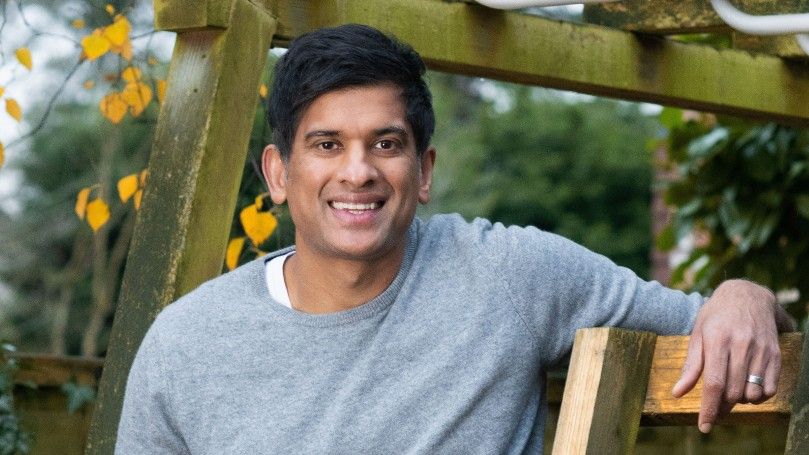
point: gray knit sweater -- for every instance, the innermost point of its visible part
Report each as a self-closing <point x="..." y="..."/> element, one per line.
<point x="450" y="358"/>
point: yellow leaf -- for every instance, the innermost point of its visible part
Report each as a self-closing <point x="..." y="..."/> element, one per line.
<point x="113" y="107"/>
<point x="2" y="154"/>
<point x="137" y="199"/>
<point x="257" y="225"/>
<point x="233" y="252"/>
<point x="118" y="32"/>
<point x="13" y="109"/>
<point x="2" y="90"/>
<point x="124" y="50"/>
<point x="131" y="74"/>
<point x="98" y="213"/>
<point x="77" y="23"/>
<point x="127" y="187"/>
<point x="161" y="90"/>
<point x="259" y="202"/>
<point x="137" y="96"/>
<point x="110" y="9"/>
<point x="94" y="45"/>
<point x="151" y="60"/>
<point x="24" y="56"/>
<point x="81" y="202"/>
<point x="262" y="91"/>
<point x="144" y="174"/>
<point x="89" y="84"/>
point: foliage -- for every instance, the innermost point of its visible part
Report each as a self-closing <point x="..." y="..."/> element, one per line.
<point x="78" y="396"/>
<point x="13" y="439"/>
<point x="575" y="166"/>
<point x="744" y="189"/>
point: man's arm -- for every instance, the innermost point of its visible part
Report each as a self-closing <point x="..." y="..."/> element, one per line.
<point x="735" y="335"/>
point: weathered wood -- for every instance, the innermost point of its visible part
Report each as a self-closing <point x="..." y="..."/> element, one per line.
<point x="178" y="15"/>
<point x="474" y="40"/>
<point x="53" y="371"/>
<point x="661" y="408"/>
<point x="798" y="435"/>
<point x="680" y="17"/>
<point x="603" y="398"/>
<point x="195" y="167"/>
<point x="782" y="46"/>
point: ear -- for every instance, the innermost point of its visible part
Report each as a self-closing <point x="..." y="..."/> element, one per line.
<point x="427" y="164"/>
<point x="274" y="170"/>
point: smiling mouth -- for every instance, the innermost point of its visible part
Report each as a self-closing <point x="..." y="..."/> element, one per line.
<point x="355" y="208"/>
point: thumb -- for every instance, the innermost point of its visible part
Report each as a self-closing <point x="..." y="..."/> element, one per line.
<point x="692" y="367"/>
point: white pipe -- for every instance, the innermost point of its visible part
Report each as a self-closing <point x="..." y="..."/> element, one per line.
<point x="515" y="4"/>
<point x="779" y="24"/>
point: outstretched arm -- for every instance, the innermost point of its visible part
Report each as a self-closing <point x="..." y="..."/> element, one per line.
<point x="735" y="338"/>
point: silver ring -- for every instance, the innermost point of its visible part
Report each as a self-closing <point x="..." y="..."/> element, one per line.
<point x="753" y="379"/>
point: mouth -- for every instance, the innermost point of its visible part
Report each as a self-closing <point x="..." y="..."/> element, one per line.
<point x="356" y="208"/>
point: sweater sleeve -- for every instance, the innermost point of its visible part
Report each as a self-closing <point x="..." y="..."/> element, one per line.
<point x="146" y="425"/>
<point x="558" y="286"/>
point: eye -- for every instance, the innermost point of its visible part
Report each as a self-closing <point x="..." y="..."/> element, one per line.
<point x="387" y="144"/>
<point x="327" y="145"/>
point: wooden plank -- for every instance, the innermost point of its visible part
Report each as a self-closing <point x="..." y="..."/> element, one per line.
<point x="798" y="435"/>
<point x="680" y="16"/>
<point x="478" y="41"/>
<point x="782" y="46"/>
<point x="661" y="408"/>
<point x="195" y="167"/>
<point x="603" y="398"/>
<point x="53" y="371"/>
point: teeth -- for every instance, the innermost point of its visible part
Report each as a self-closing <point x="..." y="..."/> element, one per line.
<point x="351" y="206"/>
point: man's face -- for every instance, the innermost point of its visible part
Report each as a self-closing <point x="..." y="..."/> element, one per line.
<point x="353" y="179"/>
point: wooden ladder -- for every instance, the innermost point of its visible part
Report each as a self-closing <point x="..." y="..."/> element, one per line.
<point x="621" y="379"/>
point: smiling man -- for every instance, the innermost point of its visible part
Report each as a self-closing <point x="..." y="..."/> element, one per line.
<point x="382" y="333"/>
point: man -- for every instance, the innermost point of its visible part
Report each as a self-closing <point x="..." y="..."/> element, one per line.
<point x="381" y="333"/>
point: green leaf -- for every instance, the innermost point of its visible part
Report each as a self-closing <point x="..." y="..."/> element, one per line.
<point x="77" y="396"/>
<point x="667" y="239"/>
<point x="671" y="117"/>
<point x="802" y="205"/>
<point x="710" y="143"/>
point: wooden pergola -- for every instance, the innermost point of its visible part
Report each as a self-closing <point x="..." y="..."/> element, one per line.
<point x="203" y="129"/>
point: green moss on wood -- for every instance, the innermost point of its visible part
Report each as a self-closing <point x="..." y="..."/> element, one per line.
<point x="479" y="41"/>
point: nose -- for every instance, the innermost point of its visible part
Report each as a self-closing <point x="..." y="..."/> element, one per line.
<point x="357" y="167"/>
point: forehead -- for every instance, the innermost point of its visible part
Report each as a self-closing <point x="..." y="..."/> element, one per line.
<point x="353" y="110"/>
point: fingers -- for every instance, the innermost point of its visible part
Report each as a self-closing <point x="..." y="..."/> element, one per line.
<point x="713" y="387"/>
<point x="691" y="369"/>
<point x="754" y="393"/>
<point x="738" y="367"/>
<point x="772" y="373"/>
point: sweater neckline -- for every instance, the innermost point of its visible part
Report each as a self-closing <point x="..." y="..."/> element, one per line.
<point x="366" y="310"/>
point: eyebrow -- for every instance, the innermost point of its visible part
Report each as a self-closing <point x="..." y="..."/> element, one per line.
<point x="392" y="129"/>
<point x="320" y="133"/>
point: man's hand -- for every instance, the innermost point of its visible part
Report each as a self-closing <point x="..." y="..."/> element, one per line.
<point x="735" y="335"/>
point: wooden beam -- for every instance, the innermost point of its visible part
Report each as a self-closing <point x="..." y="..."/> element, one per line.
<point x="479" y="41"/>
<point x="782" y="46"/>
<point x="195" y="168"/>
<point x="603" y="398"/>
<point x="661" y="408"/>
<point x="798" y="435"/>
<point x="680" y="16"/>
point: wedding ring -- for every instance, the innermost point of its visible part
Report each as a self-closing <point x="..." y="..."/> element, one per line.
<point x="753" y="379"/>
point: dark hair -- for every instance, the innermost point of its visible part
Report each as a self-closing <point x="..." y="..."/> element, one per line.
<point x="347" y="56"/>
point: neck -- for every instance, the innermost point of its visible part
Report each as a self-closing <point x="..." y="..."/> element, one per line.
<point x="318" y="284"/>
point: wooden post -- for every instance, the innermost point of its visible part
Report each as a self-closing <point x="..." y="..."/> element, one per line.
<point x="195" y="168"/>
<point x="798" y="435"/>
<point x="605" y="392"/>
